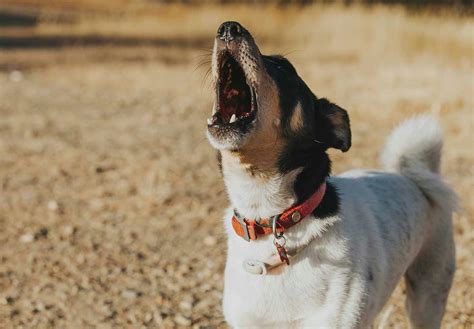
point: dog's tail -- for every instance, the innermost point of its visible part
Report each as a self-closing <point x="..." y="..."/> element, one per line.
<point x="414" y="150"/>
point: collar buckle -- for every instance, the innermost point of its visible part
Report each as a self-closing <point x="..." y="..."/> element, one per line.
<point x="245" y="229"/>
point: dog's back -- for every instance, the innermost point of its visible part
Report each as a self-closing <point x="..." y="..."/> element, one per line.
<point x="407" y="224"/>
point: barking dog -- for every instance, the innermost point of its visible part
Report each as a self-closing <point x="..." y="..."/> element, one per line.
<point x="306" y="250"/>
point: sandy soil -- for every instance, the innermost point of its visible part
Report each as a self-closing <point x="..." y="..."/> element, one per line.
<point x="110" y="197"/>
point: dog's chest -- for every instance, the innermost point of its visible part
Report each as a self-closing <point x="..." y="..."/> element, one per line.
<point x="298" y="292"/>
<point x="312" y="286"/>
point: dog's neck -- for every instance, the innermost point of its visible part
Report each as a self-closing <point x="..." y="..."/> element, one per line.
<point x="253" y="193"/>
<point x="257" y="194"/>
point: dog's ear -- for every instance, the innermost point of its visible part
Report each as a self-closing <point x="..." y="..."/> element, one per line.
<point x="331" y="125"/>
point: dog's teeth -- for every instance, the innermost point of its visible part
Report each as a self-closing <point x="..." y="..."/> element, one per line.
<point x="233" y="118"/>
<point x="209" y="121"/>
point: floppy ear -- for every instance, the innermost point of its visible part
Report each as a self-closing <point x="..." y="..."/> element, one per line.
<point x="332" y="125"/>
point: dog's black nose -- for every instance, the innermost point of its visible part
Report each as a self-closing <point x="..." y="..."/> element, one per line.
<point x="228" y="31"/>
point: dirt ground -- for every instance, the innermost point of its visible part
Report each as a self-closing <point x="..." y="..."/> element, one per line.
<point x="110" y="196"/>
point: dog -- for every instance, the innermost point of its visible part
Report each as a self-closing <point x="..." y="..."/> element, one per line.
<point x="307" y="250"/>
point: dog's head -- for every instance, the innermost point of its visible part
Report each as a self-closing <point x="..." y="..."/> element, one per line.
<point x="263" y="110"/>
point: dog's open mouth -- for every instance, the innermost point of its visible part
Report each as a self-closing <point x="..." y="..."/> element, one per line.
<point x="236" y="103"/>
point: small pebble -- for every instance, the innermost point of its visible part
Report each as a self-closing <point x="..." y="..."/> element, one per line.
<point x="132" y="318"/>
<point x="27" y="238"/>
<point x="182" y="320"/>
<point x="209" y="240"/>
<point x="16" y="76"/>
<point x="130" y="294"/>
<point x="53" y="205"/>
<point x="185" y="305"/>
<point x="68" y="230"/>
<point x="148" y="317"/>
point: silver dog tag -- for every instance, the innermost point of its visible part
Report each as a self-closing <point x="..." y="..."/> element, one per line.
<point x="255" y="267"/>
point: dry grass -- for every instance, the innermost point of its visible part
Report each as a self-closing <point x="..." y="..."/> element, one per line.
<point x="108" y="187"/>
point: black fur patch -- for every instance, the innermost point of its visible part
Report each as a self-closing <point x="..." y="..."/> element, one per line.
<point x="316" y="168"/>
<point x="325" y="125"/>
<point x="332" y="125"/>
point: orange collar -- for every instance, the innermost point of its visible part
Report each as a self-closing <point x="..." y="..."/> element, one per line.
<point x="251" y="229"/>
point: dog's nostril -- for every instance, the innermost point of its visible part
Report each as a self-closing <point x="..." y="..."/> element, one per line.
<point x="229" y="30"/>
<point x="220" y="30"/>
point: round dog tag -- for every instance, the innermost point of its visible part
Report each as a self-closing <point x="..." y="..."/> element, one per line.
<point x="255" y="267"/>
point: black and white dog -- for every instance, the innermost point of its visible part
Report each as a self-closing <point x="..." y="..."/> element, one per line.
<point x="306" y="250"/>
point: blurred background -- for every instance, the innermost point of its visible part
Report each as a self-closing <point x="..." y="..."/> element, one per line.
<point x="111" y="202"/>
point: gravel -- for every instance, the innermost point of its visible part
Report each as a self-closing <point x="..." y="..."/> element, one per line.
<point x="111" y="200"/>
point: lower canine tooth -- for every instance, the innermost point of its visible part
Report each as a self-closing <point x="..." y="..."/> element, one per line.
<point x="209" y="121"/>
<point x="233" y="118"/>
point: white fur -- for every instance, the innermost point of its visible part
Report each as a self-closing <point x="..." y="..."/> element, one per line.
<point x="389" y="225"/>
<point x="255" y="197"/>
<point x="414" y="150"/>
